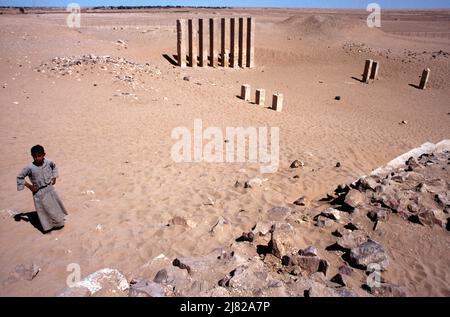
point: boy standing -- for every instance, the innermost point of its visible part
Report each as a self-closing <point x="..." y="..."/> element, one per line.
<point x="42" y="174"/>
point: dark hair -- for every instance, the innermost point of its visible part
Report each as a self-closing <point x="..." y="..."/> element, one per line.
<point x="37" y="149"/>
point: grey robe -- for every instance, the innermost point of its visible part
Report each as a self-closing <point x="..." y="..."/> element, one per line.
<point x="49" y="207"/>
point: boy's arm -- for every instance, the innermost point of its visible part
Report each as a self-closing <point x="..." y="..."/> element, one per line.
<point x="54" y="172"/>
<point x="21" y="179"/>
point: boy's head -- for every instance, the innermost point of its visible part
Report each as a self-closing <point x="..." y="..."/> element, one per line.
<point x="38" y="153"/>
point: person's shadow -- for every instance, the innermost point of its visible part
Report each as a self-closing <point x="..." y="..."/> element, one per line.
<point x="31" y="217"/>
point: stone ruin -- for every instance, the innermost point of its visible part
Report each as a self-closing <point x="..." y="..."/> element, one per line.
<point x="198" y="45"/>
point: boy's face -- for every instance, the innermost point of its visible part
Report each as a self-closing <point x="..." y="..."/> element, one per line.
<point x="39" y="158"/>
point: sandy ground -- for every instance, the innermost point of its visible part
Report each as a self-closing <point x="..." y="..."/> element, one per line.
<point x="119" y="146"/>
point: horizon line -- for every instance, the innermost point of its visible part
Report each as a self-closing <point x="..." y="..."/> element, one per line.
<point x="125" y="7"/>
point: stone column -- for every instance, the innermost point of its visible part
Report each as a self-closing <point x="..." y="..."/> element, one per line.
<point x="424" y="79"/>
<point x="374" y="72"/>
<point x="233" y="43"/>
<point x="245" y="92"/>
<point x="212" y="42"/>
<point x="250" y="42"/>
<point x="223" y="46"/>
<point x="241" y="43"/>
<point x="260" y="97"/>
<point x="367" y="71"/>
<point x="192" y="30"/>
<point x="181" y="42"/>
<point x="277" y="102"/>
<point x="202" y="40"/>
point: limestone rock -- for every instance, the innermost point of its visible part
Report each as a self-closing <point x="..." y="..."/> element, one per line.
<point x="146" y="288"/>
<point x="354" y="198"/>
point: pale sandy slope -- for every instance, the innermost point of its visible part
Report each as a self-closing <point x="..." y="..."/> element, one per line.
<point x="119" y="147"/>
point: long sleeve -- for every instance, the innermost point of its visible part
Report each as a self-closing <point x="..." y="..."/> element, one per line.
<point x="21" y="178"/>
<point x="55" y="173"/>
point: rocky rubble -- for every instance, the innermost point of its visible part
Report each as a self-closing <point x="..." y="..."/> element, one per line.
<point x="120" y="68"/>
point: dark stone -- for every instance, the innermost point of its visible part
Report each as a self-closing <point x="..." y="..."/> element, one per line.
<point x="323" y="267"/>
<point x="337" y="98"/>
<point x="378" y="215"/>
<point x="297" y="164"/>
<point x="246" y="236"/>
<point x="338" y="279"/>
<point x="186" y="78"/>
<point x="161" y="276"/>
<point x="338" y="164"/>
<point x="300" y="201"/>
<point x="351" y="226"/>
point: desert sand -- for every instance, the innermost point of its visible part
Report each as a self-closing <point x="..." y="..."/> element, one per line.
<point x="111" y="136"/>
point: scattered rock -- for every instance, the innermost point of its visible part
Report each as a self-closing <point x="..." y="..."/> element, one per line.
<point x="369" y="252"/>
<point x="309" y="251"/>
<point x="146" y="288"/>
<point x="404" y="122"/>
<point x="246" y="236"/>
<point x="331" y="213"/>
<point x="253" y="183"/>
<point x="297" y="164"/>
<point x="177" y="221"/>
<point x="301" y="201"/>
<point x="323" y="222"/>
<point x="161" y="276"/>
<point x="219" y="225"/>
<point x="350" y="240"/>
<point x="387" y="290"/>
<point x="282" y="240"/>
<point x="338" y="164"/>
<point x="354" y="198"/>
<point x="378" y="215"/>
<point x="337" y="98"/>
<point x="346" y="270"/>
<point x="338" y="279"/>
<point x="278" y="213"/>
<point x="186" y="78"/>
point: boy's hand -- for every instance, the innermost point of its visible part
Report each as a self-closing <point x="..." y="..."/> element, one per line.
<point x="54" y="181"/>
<point x="34" y="188"/>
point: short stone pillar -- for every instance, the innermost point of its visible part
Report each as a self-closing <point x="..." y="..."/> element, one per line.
<point x="192" y="38"/>
<point x="367" y="71"/>
<point x="260" y="97"/>
<point x="181" y="42"/>
<point x="277" y="102"/>
<point x="250" y="61"/>
<point x="245" y="92"/>
<point x="374" y="71"/>
<point x="424" y="79"/>
<point x="202" y="43"/>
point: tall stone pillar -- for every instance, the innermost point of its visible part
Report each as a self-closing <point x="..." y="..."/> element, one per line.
<point x="424" y="79"/>
<point x="250" y="61"/>
<point x="223" y="43"/>
<point x="367" y="71"/>
<point x="241" y="43"/>
<point x="192" y="31"/>
<point x="202" y="43"/>
<point x="181" y="42"/>
<point x="233" y="43"/>
<point x="213" y="42"/>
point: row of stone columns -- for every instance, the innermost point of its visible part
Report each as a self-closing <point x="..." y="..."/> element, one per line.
<point x="371" y="68"/>
<point x="260" y="97"/>
<point x="236" y="45"/>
